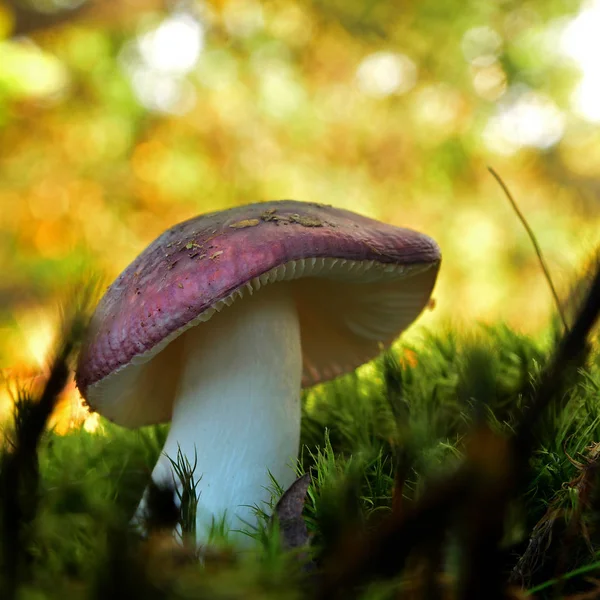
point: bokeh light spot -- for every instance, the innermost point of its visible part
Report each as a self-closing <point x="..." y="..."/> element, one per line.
<point x="581" y="42"/>
<point x="174" y="46"/>
<point x="525" y="119"/>
<point x="383" y="73"/>
<point x="439" y="107"/>
<point x="30" y="72"/>
<point x="481" y="46"/>
<point x="163" y="94"/>
<point x="489" y="82"/>
<point x="158" y="61"/>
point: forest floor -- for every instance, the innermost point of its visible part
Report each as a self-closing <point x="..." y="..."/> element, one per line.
<point x="462" y="465"/>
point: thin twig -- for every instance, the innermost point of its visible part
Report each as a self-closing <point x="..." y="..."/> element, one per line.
<point x="534" y="241"/>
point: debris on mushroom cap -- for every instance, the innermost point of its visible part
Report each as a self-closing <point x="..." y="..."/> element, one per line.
<point x="324" y="252"/>
<point x="245" y="223"/>
<point x="306" y="221"/>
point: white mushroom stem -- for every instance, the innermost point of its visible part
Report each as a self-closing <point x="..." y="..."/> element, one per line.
<point x="238" y="407"/>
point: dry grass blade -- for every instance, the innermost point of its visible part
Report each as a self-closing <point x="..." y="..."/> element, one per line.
<point x="535" y="244"/>
<point x="542" y="535"/>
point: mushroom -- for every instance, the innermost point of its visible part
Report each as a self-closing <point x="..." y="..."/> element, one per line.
<point x="220" y="322"/>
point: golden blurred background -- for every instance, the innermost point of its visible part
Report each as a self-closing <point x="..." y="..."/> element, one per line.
<point x="121" y="118"/>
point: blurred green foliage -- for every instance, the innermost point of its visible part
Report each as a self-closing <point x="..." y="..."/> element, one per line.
<point x="119" y="119"/>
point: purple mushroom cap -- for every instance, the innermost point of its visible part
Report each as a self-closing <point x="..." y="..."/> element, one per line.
<point x="358" y="283"/>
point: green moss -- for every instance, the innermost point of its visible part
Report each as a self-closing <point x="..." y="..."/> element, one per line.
<point x="369" y="439"/>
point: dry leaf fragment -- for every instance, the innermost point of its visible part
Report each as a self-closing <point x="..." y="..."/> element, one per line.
<point x="294" y="533"/>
